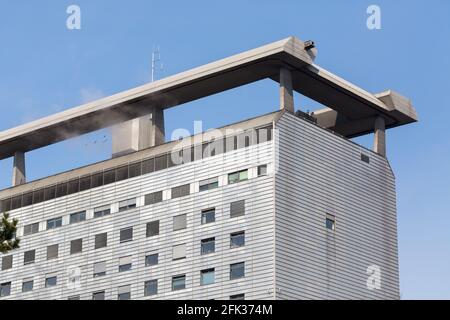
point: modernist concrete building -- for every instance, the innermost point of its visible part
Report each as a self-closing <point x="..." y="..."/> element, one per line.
<point x="282" y="206"/>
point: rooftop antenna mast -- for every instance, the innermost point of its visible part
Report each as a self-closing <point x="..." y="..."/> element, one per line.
<point x="156" y="59"/>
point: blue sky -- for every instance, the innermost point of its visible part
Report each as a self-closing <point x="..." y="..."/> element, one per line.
<point x="44" y="68"/>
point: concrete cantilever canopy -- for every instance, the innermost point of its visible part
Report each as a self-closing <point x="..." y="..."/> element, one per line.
<point x="352" y="110"/>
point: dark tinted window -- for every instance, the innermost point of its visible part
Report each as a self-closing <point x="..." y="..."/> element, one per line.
<point x="152" y="228"/>
<point x="85" y="183"/>
<point x="61" y="189"/>
<point x="109" y="177"/>
<point x="38" y="196"/>
<point x="122" y="173"/>
<point x="135" y="170"/>
<point x="152" y="198"/>
<point x="148" y="166"/>
<point x="73" y="186"/>
<point x="161" y="162"/>
<point x="97" y="180"/>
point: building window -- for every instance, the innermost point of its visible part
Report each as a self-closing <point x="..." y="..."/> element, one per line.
<point x="208" y="245"/>
<point x="262" y="170"/>
<point x="7" y="262"/>
<point x="28" y="257"/>
<point x="27" y="285"/>
<point x="74" y="298"/>
<point x="207" y="276"/>
<point x="208" y="216"/>
<point x="237" y="239"/>
<point x="101" y="240"/>
<point x="209" y="184"/>
<point x="126" y="234"/>
<point x="99" y="295"/>
<point x="52" y="251"/>
<point x="124" y="293"/>
<point x="50" y="281"/>
<point x="181" y="191"/>
<point x="179" y="222"/>
<point x="237" y="270"/>
<point x="78" y="217"/>
<point x="238" y="176"/>
<point x="150" y="288"/>
<point x="152" y="228"/>
<point x="99" y="269"/>
<point x="125" y="264"/>
<point x="102" y="211"/>
<point x="330" y="222"/>
<point x="127" y="204"/>
<point x="5" y="289"/>
<point x="238" y="297"/>
<point x="365" y="158"/>
<point x="151" y="259"/>
<point x="237" y="208"/>
<point x="76" y="246"/>
<point x="54" y="223"/>
<point x="153" y="198"/>
<point x="179" y="282"/>
<point x="179" y="251"/>
<point x="31" y="229"/>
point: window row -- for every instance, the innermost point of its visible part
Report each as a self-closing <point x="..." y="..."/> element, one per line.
<point x="149" y="199"/>
<point x="178" y="282"/>
<point x="160" y="162"/>
<point x="179" y="222"/>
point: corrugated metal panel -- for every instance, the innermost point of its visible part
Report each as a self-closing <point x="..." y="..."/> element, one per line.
<point x="320" y="173"/>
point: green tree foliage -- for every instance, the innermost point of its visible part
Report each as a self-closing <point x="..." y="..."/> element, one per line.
<point x="8" y="240"/>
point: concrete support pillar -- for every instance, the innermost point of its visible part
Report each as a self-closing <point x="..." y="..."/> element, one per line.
<point x="158" y="135"/>
<point x="19" y="175"/>
<point x="286" y="92"/>
<point x="138" y="134"/>
<point x="379" y="144"/>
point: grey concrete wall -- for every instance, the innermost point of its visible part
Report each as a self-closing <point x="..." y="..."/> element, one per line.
<point x="320" y="173"/>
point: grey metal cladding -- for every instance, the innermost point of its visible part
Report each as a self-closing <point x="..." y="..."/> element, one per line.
<point x="320" y="173"/>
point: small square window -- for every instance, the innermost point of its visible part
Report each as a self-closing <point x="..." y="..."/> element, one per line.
<point x="51" y="281"/>
<point x="102" y="211"/>
<point x="124" y="293"/>
<point x="209" y="184"/>
<point x="179" y="251"/>
<point x="5" y="289"/>
<point x="238" y="297"/>
<point x="52" y="251"/>
<point x="27" y="285"/>
<point x="126" y="235"/>
<point x="29" y="256"/>
<point x="150" y="288"/>
<point x="237" y="270"/>
<point x="151" y="259"/>
<point x="76" y="246"/>
<point x="178" y="282"/>
<point x="330" y="222"/>
<point x="153" y="198"/>
<point x="127" y="204"/>
<point x="152" y="228"/>
<point x="365" y="158"/>
<point x="179" y="222"/>
<point x="237" y="208"/>
<point x="125" y="264"/>
<point x="237" y="239"/>
<point x="207" y="276"/>
<point x="101" y="240"/>
<point x="31" y="229"/>
<point x="7" y="262"/>
<point x="99" y="295"/>
<point x="262" y="170"/>
<point x="208" y="245"/>
<point x="208" y="216"/>
<point x="78" y="217"/>
<point x="99" y="269"/>
<point x="54" y="223"/>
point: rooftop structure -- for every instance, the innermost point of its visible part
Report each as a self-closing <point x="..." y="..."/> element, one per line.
<point x="351" y="111"/>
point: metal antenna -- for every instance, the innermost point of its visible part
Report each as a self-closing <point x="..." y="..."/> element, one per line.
<point x="156" y="58"/>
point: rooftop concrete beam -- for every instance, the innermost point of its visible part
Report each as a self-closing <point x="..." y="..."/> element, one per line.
<point x="244" y="68"/>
